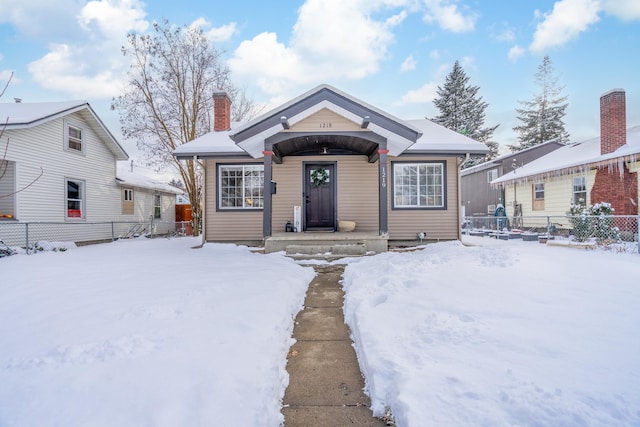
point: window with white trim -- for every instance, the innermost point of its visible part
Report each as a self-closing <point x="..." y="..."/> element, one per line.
<point x="73" y="137"/>
<point x="419" y="185"/>
<point x="157" y="206"/>
<point x="74" y="199"/>
<point x="538" y="191"/>
<point x="492" y="174"/>
<point x="241" y="186"/>
<point x="538" y="196"/>
<point x="580" y="190"/>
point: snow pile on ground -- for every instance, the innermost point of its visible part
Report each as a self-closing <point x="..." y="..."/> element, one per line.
<point x="515" y="333"/>
<point x="146" y="332"/>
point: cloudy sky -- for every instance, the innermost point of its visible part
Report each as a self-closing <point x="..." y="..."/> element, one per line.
<point x="390" y="53"/>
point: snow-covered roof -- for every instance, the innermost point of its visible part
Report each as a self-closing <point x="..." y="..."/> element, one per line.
<point x="22" y="115"/>
<point x="210" y="144"/>
<point x="415" y="136"/>
<point x="573" y="158"/>
<point x="439" y="139"/>
<point x="134" y="179"/>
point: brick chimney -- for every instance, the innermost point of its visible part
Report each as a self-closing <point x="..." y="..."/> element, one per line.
<point x="613" y="121"/>
<point x="221" y="111"/>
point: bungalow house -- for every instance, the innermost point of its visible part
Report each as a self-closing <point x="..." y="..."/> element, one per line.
<point x="147" y="200"/>
<point x="601" y="169"/>
<point x="57" y="169"/>
<point x="479" y="197"/>
<point x="325" y="161"/>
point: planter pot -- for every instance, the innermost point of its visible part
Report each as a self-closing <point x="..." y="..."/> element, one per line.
<point x="346" y="226"/>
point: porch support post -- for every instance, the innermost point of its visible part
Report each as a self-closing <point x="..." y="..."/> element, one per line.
<point x="268" y="176"/>
<point x="383" y="179"/>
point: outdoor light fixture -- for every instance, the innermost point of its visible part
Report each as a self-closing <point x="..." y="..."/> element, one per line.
<point x="365" y="122"/>
<point x="284" y="122"/>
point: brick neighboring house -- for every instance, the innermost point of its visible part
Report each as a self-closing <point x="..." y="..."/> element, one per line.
<point x="601" y="169"/>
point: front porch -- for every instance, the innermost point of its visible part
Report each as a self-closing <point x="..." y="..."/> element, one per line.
<point x="326" y="243"/>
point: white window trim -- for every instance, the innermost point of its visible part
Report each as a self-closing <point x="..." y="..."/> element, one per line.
<point x="573" y="188"/>
<point x="83" y="201"/>
<point x="66" y="125"/>
<point x="158" y="197"/>
<point x="443" y="185"/>
<point x="491" y="175"/>
<point x="245" y="205"/>
<point x="535" y="192"/>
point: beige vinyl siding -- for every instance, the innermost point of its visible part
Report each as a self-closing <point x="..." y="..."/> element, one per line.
<point x="43" y="147"/>
<point x="405" y="224"/>
<point x="357" y="190"/>
<point x="325" y="120"/>
<point x="233" y="225"/>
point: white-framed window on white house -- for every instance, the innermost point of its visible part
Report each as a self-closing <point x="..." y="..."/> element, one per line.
<point x="127" y="201"/>
<point x="157" y="206"/>
<point x="580" y="190"/>
<point x="74" y="198"/>
<point x="73" y="137"/>
<point x="538" y="196"/>
<point x="492" y="174"/>
<point x="240" y="186"/>
<point x="419" y="185"/>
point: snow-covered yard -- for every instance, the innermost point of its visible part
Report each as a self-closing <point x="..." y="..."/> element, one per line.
<point x="152" y="332"/>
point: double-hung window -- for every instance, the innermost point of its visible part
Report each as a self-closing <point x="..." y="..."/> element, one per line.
<point x="419" y="185"/>
<point x="538" y="196"/>
<point x="74" y="199"/>
<point x="73" y="137"/>
<point x="580" y="190"/>
<point x="157" y="206"/>
<point x="240" y="186"/>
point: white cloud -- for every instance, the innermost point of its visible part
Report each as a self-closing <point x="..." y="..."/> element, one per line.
<point x="434" y="54"/>
<point x="61" y="70"/>
<point x="564" y="23"/>
<point x="424" y="94"/>
<point x="508" y="35"/>
<point x="447" y="14"/>
<point x="91" y="65"/>
<point x="215" y="34"/>
<point x="331" y="40"/>
<point x="409" y="64"/>
<point x="40" y="19"/>
<point x="515" y="53"/>
<point x="626" y="10"/>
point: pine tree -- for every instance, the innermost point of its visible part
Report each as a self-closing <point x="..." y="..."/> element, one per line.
<point x="462" y="110"/>
<point x="542" y="117"/>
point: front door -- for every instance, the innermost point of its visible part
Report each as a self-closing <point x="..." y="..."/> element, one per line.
<point x="319" y="195"/>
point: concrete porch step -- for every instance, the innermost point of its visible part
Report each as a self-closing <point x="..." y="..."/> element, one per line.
<point x="338" y="249"/>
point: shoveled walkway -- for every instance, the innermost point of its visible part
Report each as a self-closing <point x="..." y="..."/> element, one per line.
<point x="325" y="383"/>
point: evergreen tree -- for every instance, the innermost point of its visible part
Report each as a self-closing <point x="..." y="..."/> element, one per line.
<point x="462" y="110"/>
<point x="542" y="116"/>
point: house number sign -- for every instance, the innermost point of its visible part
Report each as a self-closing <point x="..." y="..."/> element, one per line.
<point x="325" y="125"/>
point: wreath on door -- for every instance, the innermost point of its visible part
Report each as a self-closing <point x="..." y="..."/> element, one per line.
<point x="319" y="176"/>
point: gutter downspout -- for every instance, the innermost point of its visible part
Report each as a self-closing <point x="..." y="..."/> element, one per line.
<point x="203" y="202"/>
<point x="460" y="165"/>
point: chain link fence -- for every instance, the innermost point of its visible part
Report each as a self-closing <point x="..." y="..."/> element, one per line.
<point x="27" y="235"/>
<point x="615" y="232"/>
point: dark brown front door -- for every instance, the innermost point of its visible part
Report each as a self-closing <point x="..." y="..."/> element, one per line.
<point x="319" y="194"/>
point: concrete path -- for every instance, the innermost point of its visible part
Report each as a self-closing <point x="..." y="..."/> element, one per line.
<point x="325" y="383"/>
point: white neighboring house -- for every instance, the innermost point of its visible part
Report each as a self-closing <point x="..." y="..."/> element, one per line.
<point x="59" y="163"/>
<point x="59" y="173"/>
<point x="145" y="199"/>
